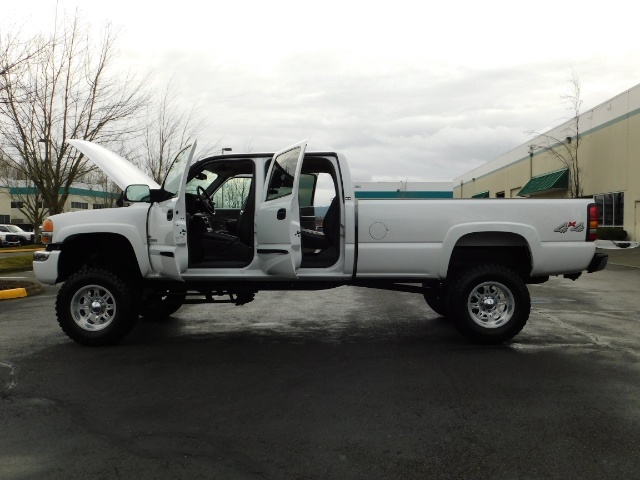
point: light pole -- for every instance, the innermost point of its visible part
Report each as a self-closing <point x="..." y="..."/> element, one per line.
<point x="531" y="149"/>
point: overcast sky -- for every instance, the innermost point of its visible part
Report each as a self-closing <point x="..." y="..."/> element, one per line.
<point x="407" y="90"/>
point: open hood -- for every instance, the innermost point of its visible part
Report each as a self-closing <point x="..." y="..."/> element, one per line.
<point x="120" y="170"/>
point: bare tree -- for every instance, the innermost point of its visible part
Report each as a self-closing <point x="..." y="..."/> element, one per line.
<point x="65" y="90"/>
<point x="13" y="53"/>
<point x="233" y="193"/>
<point x="103" y="189"/>
<point x="566" y="149"/>
<point x="169" y="130"/>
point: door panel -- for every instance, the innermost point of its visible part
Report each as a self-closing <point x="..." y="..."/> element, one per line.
<point x="278" y="217"/>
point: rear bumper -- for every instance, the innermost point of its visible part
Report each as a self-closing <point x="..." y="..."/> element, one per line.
<point x="598" y="262"/>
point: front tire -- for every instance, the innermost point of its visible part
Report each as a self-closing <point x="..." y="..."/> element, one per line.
<point x="489" y="303"/>
<point x="95" y="307"/>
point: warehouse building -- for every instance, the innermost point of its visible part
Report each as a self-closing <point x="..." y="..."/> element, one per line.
<point x="403" y="190"/>
<point x="608" y="157"/>
<point x="81" y="197"/>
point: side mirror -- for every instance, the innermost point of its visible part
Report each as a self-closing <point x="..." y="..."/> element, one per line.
<point x="137" y="193"/>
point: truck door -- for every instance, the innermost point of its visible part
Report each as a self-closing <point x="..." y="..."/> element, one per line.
<point x="167" y="224"/>
<point x="278" y="216"/>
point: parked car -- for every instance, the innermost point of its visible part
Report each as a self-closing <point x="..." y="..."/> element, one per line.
<point x="23" y="237"/>
<point x="9" y="239"/>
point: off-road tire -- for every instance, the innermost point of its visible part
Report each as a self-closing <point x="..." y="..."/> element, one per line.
<point x="95" y="307"/>
<point x="436" y="298"/>
<point x="488" y="303"/>
<point x="161" y="307"/>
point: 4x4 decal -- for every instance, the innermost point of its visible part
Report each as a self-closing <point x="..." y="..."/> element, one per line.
<point x="570" y="227"/>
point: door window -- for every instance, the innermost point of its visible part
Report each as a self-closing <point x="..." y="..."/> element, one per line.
<point x="282" y="177"/>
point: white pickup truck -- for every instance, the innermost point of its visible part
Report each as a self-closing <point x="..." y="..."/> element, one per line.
<point x="229" y="226"/>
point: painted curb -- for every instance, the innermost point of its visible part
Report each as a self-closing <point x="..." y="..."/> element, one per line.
<point x="12" y="293"/>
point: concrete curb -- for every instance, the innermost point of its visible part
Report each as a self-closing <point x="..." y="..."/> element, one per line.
<point x="34" y="288"/>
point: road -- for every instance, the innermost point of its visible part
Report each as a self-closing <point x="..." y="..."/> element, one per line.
<point x="343" y="384"/>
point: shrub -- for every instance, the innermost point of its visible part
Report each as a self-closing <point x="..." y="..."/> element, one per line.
<point x="611" y="233"/>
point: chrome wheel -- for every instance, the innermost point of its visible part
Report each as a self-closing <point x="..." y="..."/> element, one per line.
<point x="93" y="307"/>
<point x="491" y="304"/>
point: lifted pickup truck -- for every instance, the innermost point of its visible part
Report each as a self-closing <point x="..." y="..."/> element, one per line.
<point x="229" y="226"/>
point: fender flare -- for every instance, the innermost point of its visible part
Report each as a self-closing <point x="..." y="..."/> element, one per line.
<point x="129" y="232"/>
<point x="453" y="236"/>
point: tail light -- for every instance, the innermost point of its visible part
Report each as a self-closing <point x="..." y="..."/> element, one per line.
<point x="592" y="216"/>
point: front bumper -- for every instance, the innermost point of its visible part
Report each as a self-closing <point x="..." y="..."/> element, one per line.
<point x="598" y="262"/>
<point x="45" y="266"/>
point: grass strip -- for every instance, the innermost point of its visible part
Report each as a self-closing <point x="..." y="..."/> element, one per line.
<point x="16" y="263"/>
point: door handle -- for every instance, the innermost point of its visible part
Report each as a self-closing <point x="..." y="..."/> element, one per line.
<point x="170" y="214"/>
<point x="282" y="214"/>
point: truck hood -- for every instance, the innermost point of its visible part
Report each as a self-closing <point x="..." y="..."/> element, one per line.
<point x="120" y="170"/>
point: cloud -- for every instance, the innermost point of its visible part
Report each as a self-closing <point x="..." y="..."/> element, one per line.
<point x="394" y="121"/>
<point x="406" y="92"/>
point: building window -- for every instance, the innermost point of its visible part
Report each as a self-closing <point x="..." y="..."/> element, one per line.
<point x="500" y="195"/>
<point x="81" y="205"/>
<point x="17" y="204"/>
<point x="98" y="206"/>
<point x="5" y="218"/>
<point x="610" y="209"/>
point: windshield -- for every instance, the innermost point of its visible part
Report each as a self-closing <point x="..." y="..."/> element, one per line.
<point x="203" y="179"/>
<point x="172" y="180"/>
<point x="15" y="229"/>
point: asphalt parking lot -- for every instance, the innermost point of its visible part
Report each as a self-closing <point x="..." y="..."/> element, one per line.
<point x="343" y="384"/>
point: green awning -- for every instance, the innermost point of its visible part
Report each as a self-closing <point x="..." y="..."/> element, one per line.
<point x="484" y="194"/>
<point x="558" y="180"/>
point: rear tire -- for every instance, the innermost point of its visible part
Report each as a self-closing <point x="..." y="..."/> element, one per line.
<point x="162" y="305"/>
<point x="489" y="303"/>
<point x="95" y="307"/>
<point x="436" y="298"/>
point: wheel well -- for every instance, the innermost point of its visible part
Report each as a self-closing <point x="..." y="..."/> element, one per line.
<point x="503" y="248"/>
<point x="107" y="250"/>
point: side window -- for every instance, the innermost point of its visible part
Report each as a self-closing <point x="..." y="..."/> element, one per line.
<point x="317" y="190"/>
<point x="282" y="176"/>
<point x="325" y="193"/>
<point x="306" y="189"/>
<point x="232" y="193"/>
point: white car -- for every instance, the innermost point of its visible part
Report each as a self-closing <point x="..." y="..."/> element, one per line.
<point x="23" y="237"/>
<point x="9" y="240"/>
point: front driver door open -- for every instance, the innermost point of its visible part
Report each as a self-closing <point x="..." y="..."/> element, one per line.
<point x="278" y="217"/>
<point x="167" y="221"/>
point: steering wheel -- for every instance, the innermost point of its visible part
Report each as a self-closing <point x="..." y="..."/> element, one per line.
<point x="206" y="202"/>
